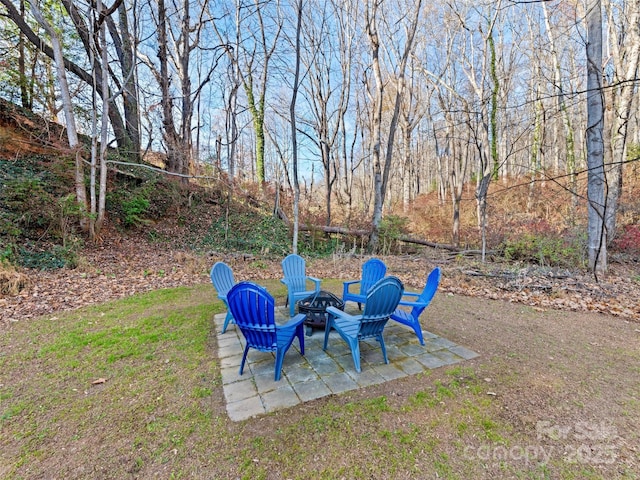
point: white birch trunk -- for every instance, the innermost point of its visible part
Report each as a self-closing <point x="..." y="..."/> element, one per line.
<point x="625" y="59"/>
<point x="67" y="107"/>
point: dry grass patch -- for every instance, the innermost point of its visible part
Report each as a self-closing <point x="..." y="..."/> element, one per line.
<point x="11" y="280"/>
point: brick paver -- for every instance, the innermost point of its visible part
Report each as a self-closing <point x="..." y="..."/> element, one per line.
<point x="319" y="373"/>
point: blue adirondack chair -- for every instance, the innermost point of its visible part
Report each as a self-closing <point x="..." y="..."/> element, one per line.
<point x="380" y="302"/>
<point x="372" y="271"/>
<point x="222" y="280"/>
<point x="297" y="280"/>
<point x="418" y="304"/>
<point x="253" y="309"/>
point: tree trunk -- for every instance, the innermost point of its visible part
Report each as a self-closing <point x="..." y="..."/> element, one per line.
<point x="83" y="30"/>
<point x="381" y="173"/>
<point x="570" y="154"/>
<point x="132" y="149"/>
<point x="376" y="135"/>
<point x="25" y="90"/>
<point x="104" y="130"/>
<point x="294" y="136"/>
<point x="626" y="53"/>
<point x="67" y="107"/>
<point x="597" y="235"/>
<point x="174" y="161"/>
<point x="493" y="113"/>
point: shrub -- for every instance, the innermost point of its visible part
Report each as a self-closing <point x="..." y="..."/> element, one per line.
<point x="253" y="232"/>
<point x="249" y="233"/>
<point x="390" y="229"/>
<point x="43" y="259"/>
<point x="28" y="201"/>
<point x="628" y="240"/>
<point x="134" y="210"/>
<point x="7" y="252"/>
<point x="68" y="215"/>
<point x="129" y="206"/>
<point x="548" y="250"/>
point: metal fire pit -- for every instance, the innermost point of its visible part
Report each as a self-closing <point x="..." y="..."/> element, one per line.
<point x="315" y="307"/>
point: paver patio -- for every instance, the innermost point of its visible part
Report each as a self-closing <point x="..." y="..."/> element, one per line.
<point x="319" y="373"/>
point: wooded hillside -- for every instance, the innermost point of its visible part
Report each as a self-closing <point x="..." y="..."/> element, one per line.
<point x="397" y="118"/>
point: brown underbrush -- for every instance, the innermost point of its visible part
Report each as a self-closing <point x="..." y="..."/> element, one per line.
<point x="11" y="280"/>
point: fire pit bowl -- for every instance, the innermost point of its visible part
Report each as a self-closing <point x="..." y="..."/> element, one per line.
<point x="315" y="307"/>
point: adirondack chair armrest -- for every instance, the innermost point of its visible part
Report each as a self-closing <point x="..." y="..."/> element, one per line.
<point x="294" y="321"/>
<point x="409" y="303"/>
<point x="336" y="312"/>
<point x="346" y="285"/>
<point x="314" y="280"/>
<point x="410" y="294"/>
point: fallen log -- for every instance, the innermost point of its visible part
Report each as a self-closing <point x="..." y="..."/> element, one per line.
<point x="362" y="232"/>
<point x="417" y="241"/>
<point x="303" y="227"/>
<point x="330" y="229"/>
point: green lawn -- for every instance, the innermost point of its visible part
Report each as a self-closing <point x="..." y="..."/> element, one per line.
<point x="131" y="389"/>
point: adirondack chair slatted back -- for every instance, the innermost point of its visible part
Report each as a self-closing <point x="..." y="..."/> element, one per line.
<point x="254" y="311"/>
<point x="296" y="280"/>
<point x="430" y="288"/>
<point x="372" y="271"/>
<point x="252" y="307"/>
<point x="382" y="300"/>
<point x="417" y="302"/>
<point x="294" y="270"/>
<point x="222" y="278"/>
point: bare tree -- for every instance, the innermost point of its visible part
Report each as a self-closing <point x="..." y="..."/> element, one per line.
<point x="597" y="234"/>
<point x="330" y="38"/>
<point x="412" y="112"/>
<point x="625" y="55"/>
<point x="537" y="150"/>
<point x="380" y="170"/>
<point x="253" y="50"/>
<point x="559" y="85"/>
<point x="294" y="132"/>
<point x="126" y="133"/>
<point x="181" y="27"/>
<point x="67" y="106"/>
<point x="456" y="151"/>
<point x="98" y="194"/>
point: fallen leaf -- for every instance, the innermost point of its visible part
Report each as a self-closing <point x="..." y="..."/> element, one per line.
<point x="99" y="381"/>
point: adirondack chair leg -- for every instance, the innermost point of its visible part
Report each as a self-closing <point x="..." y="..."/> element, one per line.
<point x="355" y="353"/>
<point x="418" y="330"/>
<point x="244" y="358"/>
<point x="383" y="348"/>
<point x="407" y="319"/>
<point x="227" y="320"/>
<point x="300" y="335"/>
<point x="327" y="330"/>
<point x="279" y="359"/>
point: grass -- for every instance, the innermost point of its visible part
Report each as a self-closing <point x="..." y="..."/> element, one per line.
<point x="131" y="389"/>
<point x="131" y="373"/>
